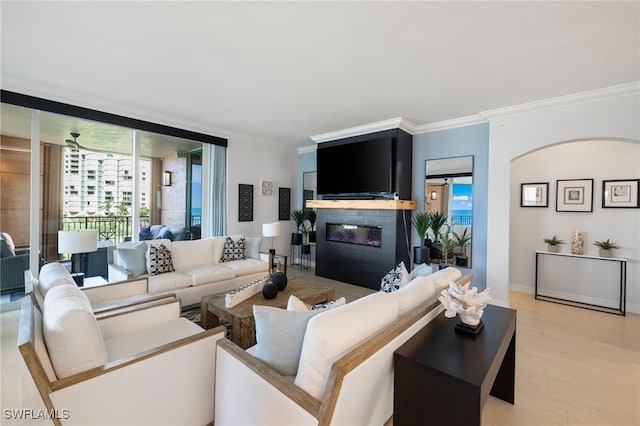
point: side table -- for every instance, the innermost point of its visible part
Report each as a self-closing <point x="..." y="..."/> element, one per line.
<point x="441" y="377"/>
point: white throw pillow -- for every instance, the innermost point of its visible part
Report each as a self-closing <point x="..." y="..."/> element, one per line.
<point x="335" y="332"/>
<point x="71" y="332"/>
<point x="295" y="304"/>
<point x="53" y="274"/>
<point x="252" y="247"/>
<point x="279" y="333"/>
<point x="395" y="278"/>
<point x="132" y="258"/>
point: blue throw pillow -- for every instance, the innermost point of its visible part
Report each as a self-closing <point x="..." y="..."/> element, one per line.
<point x="421" y="270"/>
<point x="145" y="233"/>
<point x="133" y="258"/>
<point x="165" y="234"/>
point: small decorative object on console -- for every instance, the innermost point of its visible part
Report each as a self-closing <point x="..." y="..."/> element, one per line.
<point x="468" y="304"/>
<point x="280" y="280"/>
<point x="577" y="242"/>
<point x="270" y="290"/>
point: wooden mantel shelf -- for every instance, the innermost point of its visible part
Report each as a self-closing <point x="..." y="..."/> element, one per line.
<point x="363" y="204"/>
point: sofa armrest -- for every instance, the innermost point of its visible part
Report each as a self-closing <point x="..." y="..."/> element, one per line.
<point x="117" y="290"/>
<point x="273" y="396"/>
<point x="118" y="273"/>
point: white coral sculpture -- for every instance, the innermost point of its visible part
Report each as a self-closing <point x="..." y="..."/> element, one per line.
<point x="469" y="304"/>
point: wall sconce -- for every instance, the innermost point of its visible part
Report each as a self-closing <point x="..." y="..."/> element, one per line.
<point x="166" y="179"/>
<point x="434" y="195"/>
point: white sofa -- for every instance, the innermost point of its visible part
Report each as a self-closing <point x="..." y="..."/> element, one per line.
<point x="345" y="370"/>
<point x="199" y="270"/>
<point x="142" y="366"/>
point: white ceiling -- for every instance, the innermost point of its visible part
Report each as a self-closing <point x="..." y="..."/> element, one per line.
<point x="284" y="71"/>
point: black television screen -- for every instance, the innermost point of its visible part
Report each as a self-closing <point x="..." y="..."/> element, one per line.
<point x="356" y="167"/>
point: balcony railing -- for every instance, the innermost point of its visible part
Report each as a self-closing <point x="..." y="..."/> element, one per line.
<point x="461" y="220"/>
<point x="110" y="228"/>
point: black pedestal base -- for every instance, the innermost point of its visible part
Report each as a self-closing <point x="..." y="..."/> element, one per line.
<point x="469" y="330"/>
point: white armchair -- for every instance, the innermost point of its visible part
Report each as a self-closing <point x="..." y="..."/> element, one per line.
<point x="142" y="366"/>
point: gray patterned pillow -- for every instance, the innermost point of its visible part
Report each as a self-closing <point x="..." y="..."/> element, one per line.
<point x="160" y="260"/>
<point x="233" y="250"/>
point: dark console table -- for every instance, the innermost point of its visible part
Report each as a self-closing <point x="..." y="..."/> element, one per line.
<point x="444" y="378"/>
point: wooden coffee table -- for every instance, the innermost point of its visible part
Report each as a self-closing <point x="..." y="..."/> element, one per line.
<point x="240" y="316"/>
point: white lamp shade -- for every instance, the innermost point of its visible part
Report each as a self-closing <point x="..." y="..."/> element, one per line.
<point x="84" y="241"/>
<point x="271" y="229"/>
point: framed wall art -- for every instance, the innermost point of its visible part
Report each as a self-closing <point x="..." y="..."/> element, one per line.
<point x="284" y="203"/>
<point x="534" y="194"/>
<point x="267" y="187"/>
<point x="619" y="194"/>
<point x="245" y="203"/>
<point x="574" y="195"/>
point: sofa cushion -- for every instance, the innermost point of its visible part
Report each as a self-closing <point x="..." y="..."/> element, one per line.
<point x="53" y="274"/>
<point x="159" y="260"/>
<point x="7" y="247"/>
<point x="233" y="250"/>
<point x="132" y="258"/>
<point x="247" y="266"/>
<point x="395" y="278"/>
<point x="443" y="277"/>
<point x="169" y="282"/>
<point x="252" y="247"/>
<point x="192" y="253"/>
<point x="206" y="274"/>
<point x="422" y="270"/>
<point x="279" y="334"/>
<point x="420" y="291"/>
<point x="333" y="333"/>
<point x="71" y="332"/>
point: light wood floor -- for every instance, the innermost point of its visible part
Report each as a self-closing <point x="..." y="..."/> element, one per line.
<point x="573" y="366"/>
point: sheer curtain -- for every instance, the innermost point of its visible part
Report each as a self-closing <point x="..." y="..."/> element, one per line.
<point x="214" y="190"/>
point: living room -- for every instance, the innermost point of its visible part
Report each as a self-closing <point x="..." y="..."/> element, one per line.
<point x="578" y="131"/>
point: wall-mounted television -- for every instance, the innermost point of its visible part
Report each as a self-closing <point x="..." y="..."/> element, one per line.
<point x="350" y="168"/>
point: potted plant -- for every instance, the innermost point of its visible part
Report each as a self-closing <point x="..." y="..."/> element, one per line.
<point x="553" y="243"/>
<point x="311" y="217"/>
<point x="438" y="220"/>
<point x="606" y="247"/>
<point x="460" y="241"/>
<point x="298" y="217"/>
<point x="421" y="221"/>
<point x="446" y="245"/>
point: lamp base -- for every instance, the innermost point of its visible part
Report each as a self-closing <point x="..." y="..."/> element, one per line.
<point x="78" y="277"/>
<point x="469" y="330"/>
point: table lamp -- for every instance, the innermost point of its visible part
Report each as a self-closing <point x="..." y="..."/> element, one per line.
<point x="78" y="244"/>
<point x="271" y="230"/>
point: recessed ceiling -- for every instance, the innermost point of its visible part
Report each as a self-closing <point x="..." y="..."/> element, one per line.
<point x="284" y="71"/>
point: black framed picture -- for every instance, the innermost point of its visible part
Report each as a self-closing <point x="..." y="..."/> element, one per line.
<point x="621" y="194"/>
<point x="534" y="194"/>
<point x="245" y="203"/>
<point x="284" y="203"/>
<point x="574" y="195"/>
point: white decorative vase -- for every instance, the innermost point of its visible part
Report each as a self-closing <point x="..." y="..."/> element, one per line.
<point x="577" y="242"/>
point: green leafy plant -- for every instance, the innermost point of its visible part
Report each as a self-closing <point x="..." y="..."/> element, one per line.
<point x="311" y="216"/>
<point x="461" y="239"/>
<point x="438" y="220"/>
<point x="553" y="241"/>
<point x="298" y="217"/>
<point x="446" y="245"/>
<point x="606" y="245"/>
<point x="422" y="222"/>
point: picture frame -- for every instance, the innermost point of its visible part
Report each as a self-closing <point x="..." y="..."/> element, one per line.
<point x="245" y="203"/>
<point x="534" y="194"/>
<point x="267" y="187"/>
<point x="621" y="194"/>
<point x="284" y="203"/>
<point x="574" y="195"/>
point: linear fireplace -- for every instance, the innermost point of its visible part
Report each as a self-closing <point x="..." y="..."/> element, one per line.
<point x="363" y="235"/>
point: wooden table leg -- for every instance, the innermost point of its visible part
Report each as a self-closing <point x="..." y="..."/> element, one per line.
<point x="207" y="318"/>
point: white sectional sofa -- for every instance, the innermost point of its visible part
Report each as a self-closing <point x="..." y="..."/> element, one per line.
<point x="198" y="268"/>
<point x="345" y="370"/>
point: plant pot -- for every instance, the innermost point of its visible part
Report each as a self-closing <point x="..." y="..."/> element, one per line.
<point x="312" y="237"/>
<point x="605" y="253"/>
<point x="553" y="248"/>
<point x="421" y="255"/>
<point x="436" y="253"/>
<point x="296" y="239"/>
<point x="462" y="261"/>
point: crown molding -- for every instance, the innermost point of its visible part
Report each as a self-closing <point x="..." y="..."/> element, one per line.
<point x="469" y="120"/>
<point x="560" y="101"/>
<point x="307" y="149"/>
<point x="378" y="126"/>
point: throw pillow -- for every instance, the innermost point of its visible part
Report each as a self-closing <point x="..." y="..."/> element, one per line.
<point x="160" y="260"/>
<point x="295" y="304"/>
<point x="165" y="234"/>
<point x="422" y="270"/>
<point x="7" y="248"/>
<point x="233" y="250"/>
<point x="132" y="258"/>
<point x="280" y="334"/>
<point x="145" y="233"/>
<point x="252" y="247"/>
<point x="396" y="278"/>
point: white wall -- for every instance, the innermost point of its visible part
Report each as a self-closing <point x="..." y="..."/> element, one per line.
<point x="513" y="135"/>
<point x="250" y="162"/>
<point x="597" y="159"/>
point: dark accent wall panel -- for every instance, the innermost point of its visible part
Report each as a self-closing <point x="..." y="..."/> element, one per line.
<point x="357" y="264"/>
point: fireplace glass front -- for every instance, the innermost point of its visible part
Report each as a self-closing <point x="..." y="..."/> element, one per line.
<point x="363" y="235"/>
